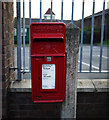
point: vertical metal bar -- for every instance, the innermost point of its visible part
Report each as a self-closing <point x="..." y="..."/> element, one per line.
<point x="72" y="10"/>
<point x="29" y="36"/>
<point x="19" y="39"/>
<point x="23" y="35"/>
<point x="82" y="28"/>
<point x="102" y="35"/>
<point x="92" y="31"/>
<point x="40" y="10"/>
<point x="62" y="11"/>
<point x="51" y="10"/>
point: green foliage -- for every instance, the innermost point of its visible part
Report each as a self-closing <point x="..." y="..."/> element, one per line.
<point x="106" y="42"/>
<point x="87" y="35"/>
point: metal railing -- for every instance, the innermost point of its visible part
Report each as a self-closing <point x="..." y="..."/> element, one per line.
<point x="40" y="20"/>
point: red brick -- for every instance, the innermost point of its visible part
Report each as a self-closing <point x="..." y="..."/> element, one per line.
<point x="7" y="42"/>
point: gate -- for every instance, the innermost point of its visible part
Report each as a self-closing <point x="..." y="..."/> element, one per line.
<point x="80" y="61"/>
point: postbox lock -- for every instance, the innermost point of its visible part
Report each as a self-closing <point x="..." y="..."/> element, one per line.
<point x="48" y="59"/>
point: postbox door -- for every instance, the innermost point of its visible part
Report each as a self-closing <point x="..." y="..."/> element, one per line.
<point x="49" y="83"/>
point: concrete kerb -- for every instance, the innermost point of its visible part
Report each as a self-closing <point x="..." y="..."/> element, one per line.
<point x="83" y="85"/>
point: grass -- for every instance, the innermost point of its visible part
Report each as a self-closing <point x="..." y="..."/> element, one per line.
<point x="105" y="43"/>
<point x="27" y="45"/>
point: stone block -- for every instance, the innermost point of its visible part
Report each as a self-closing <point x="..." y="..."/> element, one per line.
<point x="72" y="49"/>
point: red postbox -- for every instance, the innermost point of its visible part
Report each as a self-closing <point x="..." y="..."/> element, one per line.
<point x="48" y="61"/>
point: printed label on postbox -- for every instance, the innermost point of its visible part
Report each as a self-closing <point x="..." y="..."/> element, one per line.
<point x="48" y="76"/>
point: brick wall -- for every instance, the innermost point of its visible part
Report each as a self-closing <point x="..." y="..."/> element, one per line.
<point x="0" y="60"/>
<point x="21" y="106"/>
<point x="7" y="49"/>
<point x="93" y="105"/>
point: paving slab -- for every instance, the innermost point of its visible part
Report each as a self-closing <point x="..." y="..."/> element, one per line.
<point x="101" y="85"/>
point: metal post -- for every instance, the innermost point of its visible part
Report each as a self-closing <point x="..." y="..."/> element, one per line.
<point x="51" y="10"/>
<point x="23" y="35"/>
<point x="29" y="35"/>
<point x="92" y="31"/>
<point x="19" y="39"/>
<point x="82" y="28"/>
<point x="102" y="35"/>
<point x="72" y="10"/>
<point x="40" y="10"/>
<point x="62" y="11"/>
